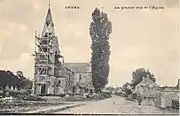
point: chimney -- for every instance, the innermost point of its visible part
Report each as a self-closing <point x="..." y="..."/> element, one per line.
<point x="144" y="78"/>
<point x="147" y="76"/>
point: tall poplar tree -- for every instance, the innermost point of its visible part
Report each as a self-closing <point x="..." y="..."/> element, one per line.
<point x="100" y="30"/>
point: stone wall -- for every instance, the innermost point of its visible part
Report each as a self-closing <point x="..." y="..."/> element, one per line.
<point x="167" y="97"/>
<point x="60" y="87"/>
<point x="148" y="101"/>
<point x="148" y="92"/>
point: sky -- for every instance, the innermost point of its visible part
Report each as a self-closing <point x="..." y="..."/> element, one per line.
<point x="140" y="38"/>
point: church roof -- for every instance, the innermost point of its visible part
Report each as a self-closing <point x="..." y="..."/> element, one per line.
<point x="78" y="67"/>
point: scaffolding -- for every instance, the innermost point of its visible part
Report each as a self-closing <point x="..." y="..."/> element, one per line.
<point x="46" y="56"/>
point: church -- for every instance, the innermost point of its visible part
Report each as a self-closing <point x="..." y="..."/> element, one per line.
<point x="51" y="75"/>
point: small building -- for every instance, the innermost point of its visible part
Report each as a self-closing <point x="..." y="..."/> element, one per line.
<point x="149" y="91"/>
<point x="118" y="90"/>
<point x="147" y="88"/>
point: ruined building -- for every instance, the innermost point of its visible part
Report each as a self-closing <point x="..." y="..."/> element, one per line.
<point x="49" y="74"/>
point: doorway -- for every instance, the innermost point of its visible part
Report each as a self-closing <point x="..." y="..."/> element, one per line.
<point x="43" y="89"/>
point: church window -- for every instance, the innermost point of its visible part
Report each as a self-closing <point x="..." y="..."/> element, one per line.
<point x="59" y="81"/>
<point x="47" y="22"/>
<point x="42" y="57"/>
<point x="39" y="70"/>
<point x="42" y="70"/>
<point x="43" y="42"/>
<point x="44" y="49"/>
<point x="50" y="42"/>
<point x="45" y="35"/>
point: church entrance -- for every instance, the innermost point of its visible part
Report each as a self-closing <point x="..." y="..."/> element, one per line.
<point x="91" y="91"/>
<point x="43" y="89"/>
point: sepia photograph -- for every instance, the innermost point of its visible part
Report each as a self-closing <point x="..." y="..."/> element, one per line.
<point x="96" y="57"/>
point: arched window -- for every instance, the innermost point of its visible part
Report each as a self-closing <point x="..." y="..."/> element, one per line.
<point x="59" y="81"/>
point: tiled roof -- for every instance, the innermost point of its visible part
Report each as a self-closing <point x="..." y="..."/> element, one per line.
<point x="149" y="81"/>
<point x="78" y="67"/>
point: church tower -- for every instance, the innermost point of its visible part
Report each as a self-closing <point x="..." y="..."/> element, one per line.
<point x="47" y="77"/>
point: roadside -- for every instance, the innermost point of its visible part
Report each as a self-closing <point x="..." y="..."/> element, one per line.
<point x="25" y="106"/>
<point x="51" y="109"/>
<point x="49" y="104"/>
<point x="117" y="105"/>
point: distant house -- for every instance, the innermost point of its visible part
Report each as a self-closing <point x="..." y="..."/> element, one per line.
<point x="82" y="82"/>
<point x="149" y="91"/>
<point x="118" y="90"/>
<point x="147" y="88"/>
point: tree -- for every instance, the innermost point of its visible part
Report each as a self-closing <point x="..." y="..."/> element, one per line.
<point x="126" y="88"/>
<point x="7" y="78"/>
<point x="100" y="30"/>
<point x="138" y="75"/>
<point x="25" y="83"/>
<point x="19" y="74"/>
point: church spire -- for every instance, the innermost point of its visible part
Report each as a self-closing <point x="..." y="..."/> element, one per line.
<point x="49" y="3"/>
<point x="48" y="25"/>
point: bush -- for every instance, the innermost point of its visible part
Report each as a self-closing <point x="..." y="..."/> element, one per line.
<point x="106" y="95"/>
<point x="30" y="98"/>
<point x="134" y="95"/>
<point x="127" y="92"/>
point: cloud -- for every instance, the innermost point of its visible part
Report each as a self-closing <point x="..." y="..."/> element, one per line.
<point x="13" y="42"/>
<point x="16" y="64"/>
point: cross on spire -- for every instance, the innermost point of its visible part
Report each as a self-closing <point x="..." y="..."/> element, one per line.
<point x="49" y="3"/>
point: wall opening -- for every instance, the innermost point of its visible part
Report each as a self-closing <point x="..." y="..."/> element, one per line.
<point x="43" y="89"/>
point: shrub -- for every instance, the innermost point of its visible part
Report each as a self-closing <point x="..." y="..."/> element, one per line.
<point x="127" y="92"/>
<point x="30" y="98"/>
<point x="134" y="95"/>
